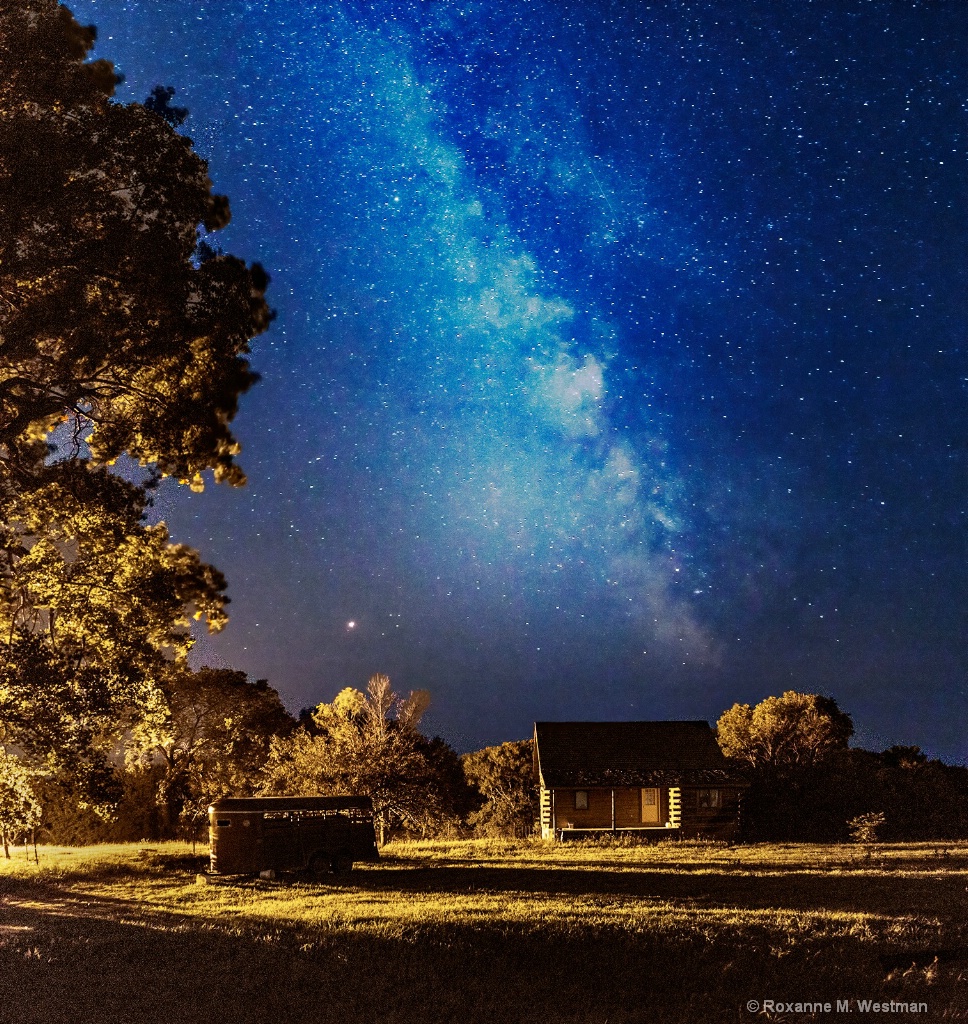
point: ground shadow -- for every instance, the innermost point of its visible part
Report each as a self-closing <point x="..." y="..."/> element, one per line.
<point x="941" y="895"/>
<point x="72" y="959"/>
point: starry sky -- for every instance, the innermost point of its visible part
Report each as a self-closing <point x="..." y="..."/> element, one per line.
<point x="619" y="367"/>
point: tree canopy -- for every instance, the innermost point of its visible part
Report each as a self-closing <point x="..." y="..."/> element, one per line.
<point x="504" y="776"/>
<point x="79" y="564"/>
<point x="106" y="319"/>
<point x="793" y="730"/>
<point x="369" y="744"/>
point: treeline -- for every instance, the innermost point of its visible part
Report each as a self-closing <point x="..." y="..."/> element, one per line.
<point x="807" y="784"/>
<point x="215" y="733"/>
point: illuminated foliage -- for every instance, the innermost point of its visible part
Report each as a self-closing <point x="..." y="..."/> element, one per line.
<point x="105" y="317"/>
<point x="794" y="730"/>
<point x="207" y="736"/>
<point x="368" y="744"/>
<point x="19" y="807"/>
<point x="62" y="721"/>
<point x="504" y="776"/>
<point x="80" y="565"/>
<point x="94" y="604"/>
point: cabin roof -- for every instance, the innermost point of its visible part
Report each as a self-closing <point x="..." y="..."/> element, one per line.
<point x="630" y="754"/>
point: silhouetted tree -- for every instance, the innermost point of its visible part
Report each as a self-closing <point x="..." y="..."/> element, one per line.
<point x="159" y="102"/>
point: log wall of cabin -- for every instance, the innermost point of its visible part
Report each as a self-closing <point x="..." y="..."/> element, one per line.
<point x="545" y="813"/>
<point x="598" y="814"/>
<point x="679" y="808"/>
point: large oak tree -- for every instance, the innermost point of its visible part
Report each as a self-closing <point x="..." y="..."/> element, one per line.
<point x="120" y="336"/>
<point x="786" y="732"/>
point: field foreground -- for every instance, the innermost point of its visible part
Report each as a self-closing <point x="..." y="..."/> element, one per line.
<point x="490" y="931"/>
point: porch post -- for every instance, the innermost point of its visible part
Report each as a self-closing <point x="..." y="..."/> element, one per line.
<point x="613" y="810"/>
<point x="554" y="817"/>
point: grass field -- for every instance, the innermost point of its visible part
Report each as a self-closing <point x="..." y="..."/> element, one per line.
<point x="488" y="931"/>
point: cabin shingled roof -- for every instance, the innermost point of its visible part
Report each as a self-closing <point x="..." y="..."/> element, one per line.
<point x="576" y="754"/>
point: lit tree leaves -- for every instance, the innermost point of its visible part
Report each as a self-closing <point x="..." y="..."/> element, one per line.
<point x="19" y="807"/>
<point x="58" y="719"/>
<point x="207" y="736"/>
<point x="94" y="606"/>
<point x="794" y="730"/>
<point x="504" y="776"/>
<point x="104" y="315"/>
<point x="367" y="744"/>
<point x="80" y="565"/>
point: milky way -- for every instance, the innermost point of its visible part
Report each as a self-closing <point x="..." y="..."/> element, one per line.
<point x="619" y="365"/>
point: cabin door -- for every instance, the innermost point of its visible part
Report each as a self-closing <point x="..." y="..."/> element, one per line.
<point x="650" y="807"/>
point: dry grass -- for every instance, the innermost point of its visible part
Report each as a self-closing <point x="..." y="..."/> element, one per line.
<point x="485" y="931"/>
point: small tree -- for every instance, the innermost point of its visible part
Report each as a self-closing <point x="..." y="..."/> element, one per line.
<point x="368" y="744"/>
<point x="866" y="827"/>
<point x="504" y="776"/>
<point x="19" y="808"/>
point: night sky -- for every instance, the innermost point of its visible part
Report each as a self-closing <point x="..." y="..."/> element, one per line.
<point x="619" y="368"/>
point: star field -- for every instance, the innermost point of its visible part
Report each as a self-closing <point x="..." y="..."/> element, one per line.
<point x="619" y="368"/>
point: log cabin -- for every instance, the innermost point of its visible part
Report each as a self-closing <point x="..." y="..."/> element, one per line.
<point x="657" y="779"/>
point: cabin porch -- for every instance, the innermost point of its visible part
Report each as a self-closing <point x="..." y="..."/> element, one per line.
<point x="648" y="812"/>
<point x="573" y="813"/>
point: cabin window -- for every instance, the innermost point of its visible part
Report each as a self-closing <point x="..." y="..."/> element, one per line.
<point x="581" y="799"/>
<point x="223" y="822"/>
<point x="710" y="798"/>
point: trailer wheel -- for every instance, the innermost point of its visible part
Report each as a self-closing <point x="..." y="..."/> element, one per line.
<point x="319" y="865"/>
<point x="342" y="863"/>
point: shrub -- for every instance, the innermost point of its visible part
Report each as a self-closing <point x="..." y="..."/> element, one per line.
<point x="865" y="827"/>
